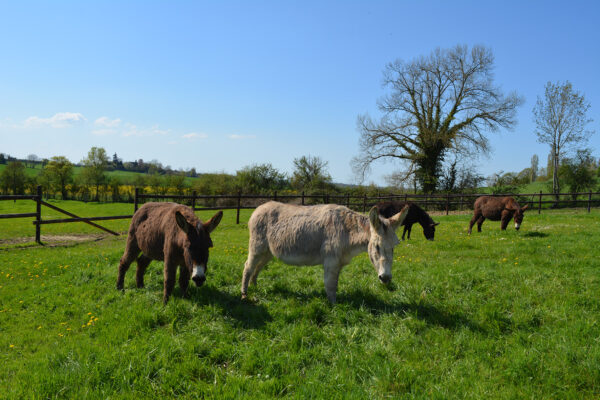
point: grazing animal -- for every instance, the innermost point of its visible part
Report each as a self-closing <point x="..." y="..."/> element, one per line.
<point x="169" y="232"/>
<point x="322" y="234"/>
<point x="415" y="214"/>
<point x="497" y="209"/>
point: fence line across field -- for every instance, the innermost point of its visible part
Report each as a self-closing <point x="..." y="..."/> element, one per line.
<point x="239" y="201"/>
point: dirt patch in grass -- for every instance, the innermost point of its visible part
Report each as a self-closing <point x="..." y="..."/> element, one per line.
<point x="50" y="240"/>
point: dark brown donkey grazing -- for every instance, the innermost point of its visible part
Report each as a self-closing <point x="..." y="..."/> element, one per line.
<point x="415" y="214"/>
<point x="497" y="209"/>
<point x="169" y="232"/>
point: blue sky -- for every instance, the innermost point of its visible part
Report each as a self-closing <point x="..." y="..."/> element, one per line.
<point x="221" y="85"/>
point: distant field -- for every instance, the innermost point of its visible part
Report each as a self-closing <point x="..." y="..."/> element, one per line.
<point x="493" y="315"/>
<point x="125" y="176"/>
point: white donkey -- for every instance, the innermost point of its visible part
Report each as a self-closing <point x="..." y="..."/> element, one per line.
<point x="323" y="234"/>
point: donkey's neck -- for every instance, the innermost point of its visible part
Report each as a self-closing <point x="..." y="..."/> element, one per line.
<point x="423" y="218"/>
<point x="360" y="234"/>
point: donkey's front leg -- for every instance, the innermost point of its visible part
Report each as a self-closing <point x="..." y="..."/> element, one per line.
<point x="170" y="273"/>
<point x="331" y="274"/>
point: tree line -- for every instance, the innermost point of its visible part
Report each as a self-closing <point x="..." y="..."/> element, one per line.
<point x="96" y="181"/>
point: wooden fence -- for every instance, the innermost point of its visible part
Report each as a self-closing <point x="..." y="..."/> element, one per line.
<point x="430" y="202"/>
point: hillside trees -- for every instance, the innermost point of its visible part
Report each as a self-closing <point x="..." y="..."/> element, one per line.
<point x="94" y="168"/>
<point x="310" y="173"/>
<point x="60" y="173"/>
<point x="436" y="105"/>
<point x="260" y="178"/>
<point x="578" y="171"/>
<point x="13" y="178"/>
<point x="560" y="116"/>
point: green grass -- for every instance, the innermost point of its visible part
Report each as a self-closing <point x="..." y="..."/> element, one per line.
<point x="494" y="315"/>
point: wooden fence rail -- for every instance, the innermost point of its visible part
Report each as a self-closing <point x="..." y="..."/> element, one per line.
<point x="441" y="202"/>
<point x="239" y="201"/>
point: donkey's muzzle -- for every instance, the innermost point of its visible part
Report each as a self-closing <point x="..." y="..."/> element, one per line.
<point x="385" y="278"/>
<point x="198" y="279"/>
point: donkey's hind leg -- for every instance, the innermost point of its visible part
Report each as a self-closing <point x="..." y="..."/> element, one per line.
<point x="142" y="264"/>
<point x="480" y="222"/>
<point x="254" y="263"/>
<point x="131" y="252"/>
<point x="264" y="260"/>
<point x="476" y="216"/>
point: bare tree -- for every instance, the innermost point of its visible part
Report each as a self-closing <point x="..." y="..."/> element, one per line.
<point x="32" y="158"/>
<point x="439" y="104"/>
<point x="535" y="161"/>
<point x="560" y="118"/>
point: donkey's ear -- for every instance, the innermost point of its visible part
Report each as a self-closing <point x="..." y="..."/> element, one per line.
<point x="399" y="218"/>
<point x="525" y="208"/>
<point x="374" y="217"/>
<point x="212" y="223"/>
<point x="182" y="222"/>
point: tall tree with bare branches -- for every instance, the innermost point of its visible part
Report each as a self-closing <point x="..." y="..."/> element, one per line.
<point x="439" y="104"/>
<point x="560" y="118"/>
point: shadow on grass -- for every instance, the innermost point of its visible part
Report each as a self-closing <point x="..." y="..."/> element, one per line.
<point x="428" y="313"/>
<point x="536" y="234"/>
<point x="244" y="313"/>
<point x="421" y="310"/>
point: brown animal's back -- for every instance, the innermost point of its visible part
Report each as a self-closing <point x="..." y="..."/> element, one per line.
<point x="491" y="207"/>
<point x="154" y="224"/>
<point x="388" y="209"/>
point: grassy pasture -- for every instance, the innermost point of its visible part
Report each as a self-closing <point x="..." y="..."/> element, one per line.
<point x="494" y="315"/>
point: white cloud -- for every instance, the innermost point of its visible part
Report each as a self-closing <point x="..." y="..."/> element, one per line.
<point x="58" y="120"/>
<point x="107" y="122"/>
<point x="195" y="135"/>
<point x="239" y="137"/>
<point x="133" y="130"/>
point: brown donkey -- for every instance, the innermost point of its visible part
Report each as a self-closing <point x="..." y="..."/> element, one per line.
<point x="173" y="233"/>
<point x="497" y="209"/>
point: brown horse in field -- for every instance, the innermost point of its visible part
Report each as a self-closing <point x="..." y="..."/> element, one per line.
<point x="173" y="233"/>
<point x="497" y="209"/>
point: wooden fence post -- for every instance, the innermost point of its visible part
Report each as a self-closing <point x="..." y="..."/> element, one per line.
<point x="303" y="197"/>
<point x="540" y="204"/>
<point x="239" y="202"/>
<point x="275" y="196"/>
<point x="447" y="202"/>
<point x="135" y="199"/>
<point x="38" y="217"/>
<point x="194" y="200"/>
<point x="590" y="201"/>
<point x="365" y="203"/>
<point x="348" y="200"/>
